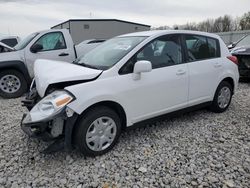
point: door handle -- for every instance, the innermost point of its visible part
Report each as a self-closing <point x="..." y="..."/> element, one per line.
<point x="180" y="72"/>
<point x="217" y="65"/>
<point x="63" y="54"/>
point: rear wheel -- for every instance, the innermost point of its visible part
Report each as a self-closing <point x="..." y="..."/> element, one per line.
<point x="222" y="98"/>
<point x="97" y="131"/>
<point x="12" y="84"/>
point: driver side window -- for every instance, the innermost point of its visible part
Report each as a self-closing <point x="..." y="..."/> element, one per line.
<point x="52" y="41"/>
<point x="162" y="52"/>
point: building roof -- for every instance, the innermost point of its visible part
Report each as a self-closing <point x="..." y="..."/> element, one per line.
<point x="72" y="20"/>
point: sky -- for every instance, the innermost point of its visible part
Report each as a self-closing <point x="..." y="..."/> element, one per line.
<point x="22" y="17"/>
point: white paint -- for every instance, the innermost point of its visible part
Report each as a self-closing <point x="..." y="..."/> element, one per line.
<point x="157" y="92"/>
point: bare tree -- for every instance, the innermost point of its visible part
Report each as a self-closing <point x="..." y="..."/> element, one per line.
<point x="236" y="24"/>
<point x="190" y="26"/>
<point x="218" y="25"/>
<point x="227" y="23"/>
<point x="161" y="28"/>
<point x="245" y="21"/>
<point x="207" y="25"/>
<point x="221" y="24"/>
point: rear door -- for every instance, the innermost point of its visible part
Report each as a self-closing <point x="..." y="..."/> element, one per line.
<point x="162" y="90"/>
<point x="56" y="46"/>
<point x="204" y="65"/>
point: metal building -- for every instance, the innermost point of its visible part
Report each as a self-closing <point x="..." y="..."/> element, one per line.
<point x="83" y="29"/>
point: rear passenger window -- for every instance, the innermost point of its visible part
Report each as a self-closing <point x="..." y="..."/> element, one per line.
<point x="200" y="47"/>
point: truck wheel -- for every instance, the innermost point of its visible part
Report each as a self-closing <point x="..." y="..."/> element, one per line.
<point x="97" y="131"/>
<point x="222" y="98"/>
<point x="12" y="84"/>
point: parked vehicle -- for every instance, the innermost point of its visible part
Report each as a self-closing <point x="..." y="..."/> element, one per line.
<point x="242" y="51"/>
<point x="16" y="67"/>
<point x="87" y="45"/>
<point x="124" y="81"/>
<point x="5" y="48"/>
<point x="10" y="40"/>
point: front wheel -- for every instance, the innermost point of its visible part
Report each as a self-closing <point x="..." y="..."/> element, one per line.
<point x="222" y="98"/>
<point x="97" y="131"/>
<point x="12" y="84"/>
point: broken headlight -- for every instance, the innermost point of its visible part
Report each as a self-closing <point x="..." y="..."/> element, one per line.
<point x="50" y="105"/>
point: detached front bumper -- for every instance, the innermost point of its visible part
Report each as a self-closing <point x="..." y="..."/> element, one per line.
<point x="46" y="130"/>
<point x="33" y="130"/>
<point x="56" y="128"/>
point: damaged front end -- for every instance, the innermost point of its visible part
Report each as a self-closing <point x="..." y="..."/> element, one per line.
<point x="32" y="97"/>
<point x="50" y="119"/>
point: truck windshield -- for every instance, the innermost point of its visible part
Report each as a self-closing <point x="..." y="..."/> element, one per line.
<point x="23" y="43"/>
<point x="110" y="52"/>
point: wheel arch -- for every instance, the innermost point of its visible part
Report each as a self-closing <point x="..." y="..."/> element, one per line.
<point x="112" y="105"/>
<point x="230" y="80"/>
<point x="18" y="66"/>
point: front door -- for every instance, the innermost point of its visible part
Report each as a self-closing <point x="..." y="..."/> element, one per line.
<point x="162" y="90"/>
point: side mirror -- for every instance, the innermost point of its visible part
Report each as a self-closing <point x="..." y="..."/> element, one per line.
<point x="140" y="67"/>
<point x="36" y="48"/>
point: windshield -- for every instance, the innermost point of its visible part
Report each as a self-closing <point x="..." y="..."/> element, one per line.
<point x="244" y="42"/>
<point x="109" y="53"/>
<point x="23" y="43"/>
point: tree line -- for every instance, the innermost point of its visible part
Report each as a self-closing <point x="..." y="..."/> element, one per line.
<point x="221" y="24"/>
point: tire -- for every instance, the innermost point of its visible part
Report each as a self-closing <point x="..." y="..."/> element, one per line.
<point x="218" y="105"/>
<point x="86" y="131"/>
<point x="19" y="85"/>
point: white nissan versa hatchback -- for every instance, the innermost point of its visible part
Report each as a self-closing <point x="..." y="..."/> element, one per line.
<point x="124" y="81"/>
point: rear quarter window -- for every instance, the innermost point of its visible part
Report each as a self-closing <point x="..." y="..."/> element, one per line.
<point x="201" y="47"/>
<point x="214" y="47"/>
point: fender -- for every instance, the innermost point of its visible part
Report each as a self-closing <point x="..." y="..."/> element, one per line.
<point x="229" y="74"/>
<point x="17" y="65"/>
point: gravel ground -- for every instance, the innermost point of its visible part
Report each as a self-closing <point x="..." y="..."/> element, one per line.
<point x="198" y="149"/>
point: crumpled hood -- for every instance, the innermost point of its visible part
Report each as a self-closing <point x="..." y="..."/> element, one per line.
<point x="49" y="72"/>
<point x="242" y="50"/>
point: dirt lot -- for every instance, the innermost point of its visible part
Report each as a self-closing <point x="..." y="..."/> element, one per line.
<point x="198" y="149"/>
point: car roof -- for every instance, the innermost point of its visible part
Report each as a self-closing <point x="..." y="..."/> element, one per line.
<point x="164" y="32"/>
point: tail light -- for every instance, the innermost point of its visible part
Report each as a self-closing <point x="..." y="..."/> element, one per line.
<point x="234" y="59"/>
